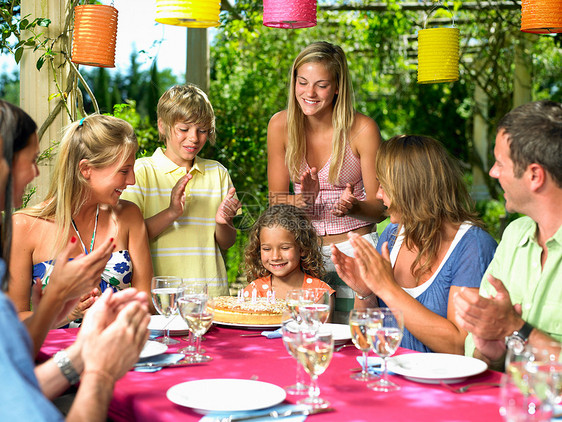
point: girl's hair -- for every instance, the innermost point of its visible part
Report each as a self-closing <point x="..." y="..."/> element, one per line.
<point x="185" y="103"/>
<point x="295" y="221"/>
<point x="102" y="141"/>
<point x="333" y="59"/>
<point x="425" y="187"/>
<point x="16" y="128"/>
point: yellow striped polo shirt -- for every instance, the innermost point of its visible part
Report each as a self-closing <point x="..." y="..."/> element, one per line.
<point x="187" y="248"/>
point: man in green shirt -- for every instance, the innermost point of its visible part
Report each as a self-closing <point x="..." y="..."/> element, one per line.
<point x="520" y="298"/>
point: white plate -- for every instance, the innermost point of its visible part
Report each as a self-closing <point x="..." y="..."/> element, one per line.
<point x="432" y="368"/>
<point x="152" y="348"/>
<point x="177" y="326"/>
<point x="340" y="333"/>
<point x="247" y="326"/>
<point x="225" y="395"/>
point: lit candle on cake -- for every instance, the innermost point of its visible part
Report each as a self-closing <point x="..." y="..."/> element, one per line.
<point x="254" y="296"/>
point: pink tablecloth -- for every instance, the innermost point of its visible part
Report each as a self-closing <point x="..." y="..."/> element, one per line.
<point x="142" y="396"/>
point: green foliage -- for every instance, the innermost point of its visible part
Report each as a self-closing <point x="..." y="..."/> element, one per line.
<point x="495" y="217"/>
<point x="12" y="27"/>
<point x="147" y="134"/>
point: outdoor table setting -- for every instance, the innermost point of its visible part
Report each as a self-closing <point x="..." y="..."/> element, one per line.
<point x="265" y="362"/>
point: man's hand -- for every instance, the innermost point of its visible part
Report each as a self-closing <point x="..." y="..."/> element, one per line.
<point x="116" y="323"/>
<point x="489" y="319"/>
<point x="228" y="208"/>
<point x="346" y="202"/>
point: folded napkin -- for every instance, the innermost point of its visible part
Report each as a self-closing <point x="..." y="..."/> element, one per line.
<point x="159" y="359"/>
<point x="154" y="334"/>
<point x="374" y="364"/>
<point x="273" y="334"/>
<point x="217" y="416"/>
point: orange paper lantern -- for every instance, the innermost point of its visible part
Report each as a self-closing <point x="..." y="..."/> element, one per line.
<point x="541" y="16"/>
<point x="95" y="35"/>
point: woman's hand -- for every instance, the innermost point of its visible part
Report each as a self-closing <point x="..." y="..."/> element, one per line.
<point x="310" y="187"/>
<point x="349" y="272"/>
<point x="375" y="269"/>
<point x="346" y="202"/>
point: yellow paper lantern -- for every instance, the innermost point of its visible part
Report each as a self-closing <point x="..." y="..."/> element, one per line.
<point x="192" y="13"/>
<point x="541" y="16"/>
<point x="95" y="35"/>
<point x="438" y="55"/>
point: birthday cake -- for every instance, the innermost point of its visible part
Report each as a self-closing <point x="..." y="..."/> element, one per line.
<point x="255" y="311"/>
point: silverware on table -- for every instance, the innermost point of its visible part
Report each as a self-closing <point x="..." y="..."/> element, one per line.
<point x="465" y="388"/>
<point x="163" y="364"/>
<point x="338" y="348"/>
<point x="276" y="415"/>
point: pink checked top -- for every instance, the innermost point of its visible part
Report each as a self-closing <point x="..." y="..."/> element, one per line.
<point x="322" y="218"/>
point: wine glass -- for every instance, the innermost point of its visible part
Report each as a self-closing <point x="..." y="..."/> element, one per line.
<point x="314" y="352"/>
<point x="358" y="322"/>
<point x="544" y="370"/>
<point x="385" y="332"/>
<point x="192" y="288"/>
<point x="293" y="300"/>
<point x="193" y="309"/>
<point x="314" y="307"/>
<point x="290" y="330"/>
<point x="165" y="291"/>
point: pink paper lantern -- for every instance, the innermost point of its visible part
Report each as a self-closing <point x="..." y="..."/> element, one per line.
<point x="289" y="13"/>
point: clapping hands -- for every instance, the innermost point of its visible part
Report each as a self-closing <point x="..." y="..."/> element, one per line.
<point x="228" y="208"/>
<point x="346" y="202"/>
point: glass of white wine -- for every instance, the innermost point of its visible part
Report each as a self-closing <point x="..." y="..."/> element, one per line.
<point x="165" y="291"/>
<point x="290" y="330"/>
<point x="199" y="318"/>
<point x="385" y="330"/>
<point x="359" y="320"/>
<point x="314" y="352"/>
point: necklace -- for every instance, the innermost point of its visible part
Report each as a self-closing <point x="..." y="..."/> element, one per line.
<point x="93" y="234"/>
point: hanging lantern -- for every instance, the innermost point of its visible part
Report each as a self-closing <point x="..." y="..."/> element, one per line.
<point x="438" y="55"/>
<point x="289" y="13"/>
<point x="95" y="35"/>
<point x="541" y="16"/>
<point x="191" y="13"/>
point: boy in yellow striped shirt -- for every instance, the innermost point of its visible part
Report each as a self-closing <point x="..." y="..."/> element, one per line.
<point x="188" y="202"/>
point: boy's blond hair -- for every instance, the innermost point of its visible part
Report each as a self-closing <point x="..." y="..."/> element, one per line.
<point x="185" y="103"/>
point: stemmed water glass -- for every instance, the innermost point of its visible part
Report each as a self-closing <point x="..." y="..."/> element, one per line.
<point x="291" y="329"/>
<point x="165" y="291"/>
<point x="314" y="352"/>
<point x="359" y="320"/>
<point x="192" y="288"/>
<point x="314" y="307"/>
<point x="194" y="310"/>
<point x="385" y="330"/>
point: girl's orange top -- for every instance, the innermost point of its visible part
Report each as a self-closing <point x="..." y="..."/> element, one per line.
<point x="263" y="285"/>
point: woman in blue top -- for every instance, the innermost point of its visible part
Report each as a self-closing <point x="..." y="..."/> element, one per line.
<point x="433" y="246"/>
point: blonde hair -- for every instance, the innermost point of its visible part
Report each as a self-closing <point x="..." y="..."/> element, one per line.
<point x="343" y="113"/>
<point x="102" y="141"/>
<point x="189" y="104"/>
<point x="295" y="221"/>
<point x="425" y="188"/>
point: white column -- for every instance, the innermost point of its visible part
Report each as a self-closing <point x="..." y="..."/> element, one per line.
<point x="36" y="86"/>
